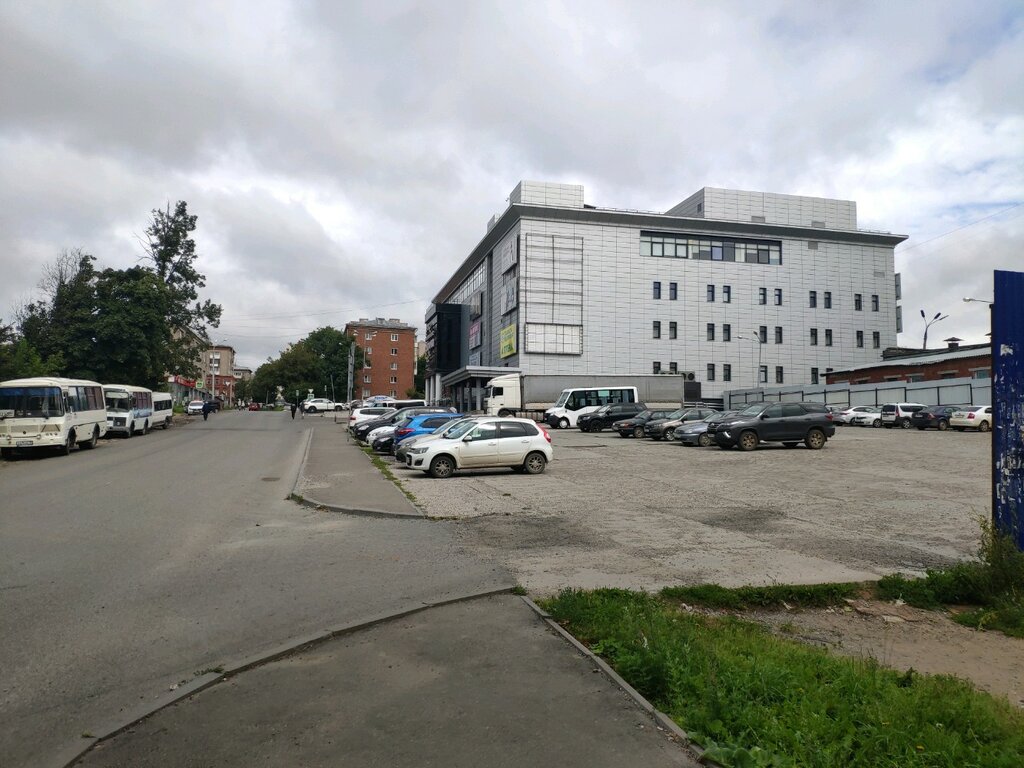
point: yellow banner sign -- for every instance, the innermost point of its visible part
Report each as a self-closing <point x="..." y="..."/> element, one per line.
<point x="508" y="341"/>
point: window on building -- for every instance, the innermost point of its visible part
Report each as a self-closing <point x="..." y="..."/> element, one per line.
<point x="762" y="334"/>
<point x="711" y="331"/>
<point x="778" y="297"/>
<point x="711" y="372"/>
<point x="368" y="351"/>
<point x="947" y="375"/>
<point x="779" y="377"/>
<point x="726" y="332"/>
<point x="828" y="370"/>
<point x="673" y="291"/>
<point x="657" y="289"/>
<point x="812" y="299"/>
<point x="828" y="299"/>
<point x="366" y="392"/>
<point x="394" y="351"/>
<point x="727" y="294"/>
<point x="726" y="372"/>
<point x="814" y="337"/>
<point x="366" y="379"/>
<point x="368" y="335"/>
<point x="656" y="329"/>
<point x="778" y="334"/>
<point x="762" y="295"/>
<point x="656" y="367"/>
<point x="874" y="302"/>
<point x="828" y="337"/>
<point x="762" y="374"/>
<point x="673" y="329"/>
<point x="673" y="367"/>
<point x="899" y="319"/>
<point x="394" y="366"/>
<point x="860" y="339"/>
<point x="711" y="293"/>
<point x="394" y="337"/>
<point x="914" y="377"/>
<point x="858" y="302"/>
<point x="981" y="373"/>
<point x="876" y="339"/>
<point x="814" y="375"/>
<point x="393" y="380"/>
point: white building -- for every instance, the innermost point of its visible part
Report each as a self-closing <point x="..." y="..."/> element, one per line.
<point x="734" y="287"/>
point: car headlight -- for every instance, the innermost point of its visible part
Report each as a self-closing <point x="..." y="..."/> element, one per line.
<point x="417" y="450"/>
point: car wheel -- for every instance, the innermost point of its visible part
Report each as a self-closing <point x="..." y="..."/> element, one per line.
<point x="91" y="442"/>
<point x="943" y="425"/>
<point x="984" y="427"/>
<point x="638" y="432"/>
<point x="876" y="423"/>
<point x="535" y="463"/>
<point x="442" y="467"/>
<point x="748" y="440"/>
<point x="584" y="428"/>
<point x="790" y="444"/>
<point x="815" y="440"/>
<point x="563" y="423"/>
<point x="337" y="407"/>
<point x="504" y="413"/>
<point x="704" y="440"/>
<point x="905" y="424"/>
<point x="311" y="409"/>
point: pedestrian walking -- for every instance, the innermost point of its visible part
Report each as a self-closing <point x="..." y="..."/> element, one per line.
<point x="294" y="408"/>
<point x="207" y="407"/>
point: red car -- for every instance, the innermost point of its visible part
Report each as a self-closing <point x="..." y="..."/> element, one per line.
<point x="254" y="406"/>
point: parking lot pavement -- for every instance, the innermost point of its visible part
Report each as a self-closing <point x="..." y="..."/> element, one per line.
<point x="632" y="513"/>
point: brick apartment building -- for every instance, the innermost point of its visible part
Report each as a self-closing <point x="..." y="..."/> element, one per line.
<point x="389" y="357"/>
<point x="973" y="361"/>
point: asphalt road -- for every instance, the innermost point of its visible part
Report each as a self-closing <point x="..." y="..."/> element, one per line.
<point x="128" y="569"/>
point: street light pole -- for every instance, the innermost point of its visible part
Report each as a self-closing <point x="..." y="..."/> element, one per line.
<point x="938" y="316"/>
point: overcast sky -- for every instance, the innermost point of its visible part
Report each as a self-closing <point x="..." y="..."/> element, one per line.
<point x="344" y="157"/>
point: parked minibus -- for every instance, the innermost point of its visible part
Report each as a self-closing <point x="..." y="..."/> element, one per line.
<point x="163" y="410"/>
<point x="50" y="412"/>
<point x="129" y="409"/>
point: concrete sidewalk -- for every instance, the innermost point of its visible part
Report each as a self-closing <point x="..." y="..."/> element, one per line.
<point x="478" y="683"/>
<point x="336" y="474"/>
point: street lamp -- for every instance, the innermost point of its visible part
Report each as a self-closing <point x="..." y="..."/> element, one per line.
<point x="928" y="323"/>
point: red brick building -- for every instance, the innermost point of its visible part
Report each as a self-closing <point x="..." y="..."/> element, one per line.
<point x="389" y="357"/>
<point x="973" y="362"/>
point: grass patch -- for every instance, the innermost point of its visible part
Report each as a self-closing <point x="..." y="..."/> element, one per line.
<point x="994" y="584"/>
<point x="385" y="469"/>
<point x="773" y="596"/>
<point x="755" y="699"/>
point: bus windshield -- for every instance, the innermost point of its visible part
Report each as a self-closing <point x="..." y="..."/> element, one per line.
<point x="117" y="401"/>
<point x="562" y="398"/>
<point x="31" y="402"/>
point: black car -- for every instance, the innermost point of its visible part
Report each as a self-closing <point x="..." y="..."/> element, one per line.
<point x="934" y="417"/>
<point x="384" y="444"/>
<point x="635" y="425"/>
<point x="656" y="429"/>
<point x="607" y="415"/>
<point x="363" y="428"/>
<point x="786" y="423"/>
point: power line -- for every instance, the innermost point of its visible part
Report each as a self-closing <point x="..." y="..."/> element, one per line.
<point x="965" y="226"/>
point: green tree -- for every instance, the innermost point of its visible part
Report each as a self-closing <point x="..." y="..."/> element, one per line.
<point x="19" y="359"/>
<point x="172" y="251"/>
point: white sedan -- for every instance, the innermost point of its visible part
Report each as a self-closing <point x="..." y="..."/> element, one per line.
<point x="869" y="418"/>
<point x="847" y="416"/>
<point x="977" y="417"/>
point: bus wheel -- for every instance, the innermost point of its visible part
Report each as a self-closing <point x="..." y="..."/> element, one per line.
<point x="145" y="428"/>
<point x="66" y="448"/>
<point x="563" y="423"/>
<point x="91" y="442"/>
<point x="131" y="430"/>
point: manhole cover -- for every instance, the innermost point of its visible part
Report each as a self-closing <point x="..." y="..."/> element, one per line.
<point x="269" y="479"/>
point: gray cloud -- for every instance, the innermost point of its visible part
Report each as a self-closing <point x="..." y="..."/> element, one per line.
<point x="344" y="157"/>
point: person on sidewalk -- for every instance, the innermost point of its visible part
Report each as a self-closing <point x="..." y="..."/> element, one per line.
<point x="294" y="408"/>
<point x="207" y="407"/>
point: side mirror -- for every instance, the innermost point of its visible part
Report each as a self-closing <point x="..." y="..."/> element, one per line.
<point x="467" y="439"/>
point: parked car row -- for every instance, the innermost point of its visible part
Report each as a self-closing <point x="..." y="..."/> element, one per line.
<point x="918" y="415"/>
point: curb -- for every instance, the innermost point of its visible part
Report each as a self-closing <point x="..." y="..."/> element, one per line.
<point x="309" y="501"/>
<point x="67" y="758"/>
<point x="663" y="720"/>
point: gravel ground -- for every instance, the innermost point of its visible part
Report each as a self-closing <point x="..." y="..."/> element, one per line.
<point x="640" y="514"/>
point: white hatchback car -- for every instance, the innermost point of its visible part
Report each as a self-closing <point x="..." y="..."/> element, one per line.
<point x="977" y="417"/>
<point x="195" y="407"/>
<point x="521" y="444"/>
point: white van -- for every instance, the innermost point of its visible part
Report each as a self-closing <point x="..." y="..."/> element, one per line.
<point x="163" y="410"/>
<point x="898" y="414"/>
<point x="50" y="412"/>
<point x="573" y="403"/>
<point x="129" y="408"/>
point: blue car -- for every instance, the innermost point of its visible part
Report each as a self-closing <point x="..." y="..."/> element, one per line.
<point x="421" y="424"/>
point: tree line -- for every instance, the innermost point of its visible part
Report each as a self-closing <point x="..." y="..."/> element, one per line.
<point x="132" y="325"/>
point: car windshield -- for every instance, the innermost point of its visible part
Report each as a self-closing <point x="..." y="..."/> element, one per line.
<point x="643" y="415"/>
<point x="460" y="428"/>
<point x="753" y="410"/>
<point x="677" y="414"/>
<point x="602" y="410"/>
<point x="36" y="402"/>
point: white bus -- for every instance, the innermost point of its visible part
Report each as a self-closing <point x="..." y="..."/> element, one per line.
<point x="573" y="403"/>
<point x="129" y="409"/>
<point x="50" y="412"/>
<point x="163" y="410"/>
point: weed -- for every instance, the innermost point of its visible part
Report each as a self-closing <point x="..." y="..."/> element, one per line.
<point x="794" y="595"/>
<point x="787" y="628"/>
<point x="754" y="698"/>
<point x="217" y="670"/>
<point x="519" y="589"/>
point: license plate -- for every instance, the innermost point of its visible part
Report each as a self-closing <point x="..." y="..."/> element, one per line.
<point x="23" y="443"/>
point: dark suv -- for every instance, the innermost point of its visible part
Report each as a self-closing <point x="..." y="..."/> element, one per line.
<point x="656" y="429"/>
<point x="786" y="423"/>
<point x="606" y="415"/>
<point x="934" y="417"/>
